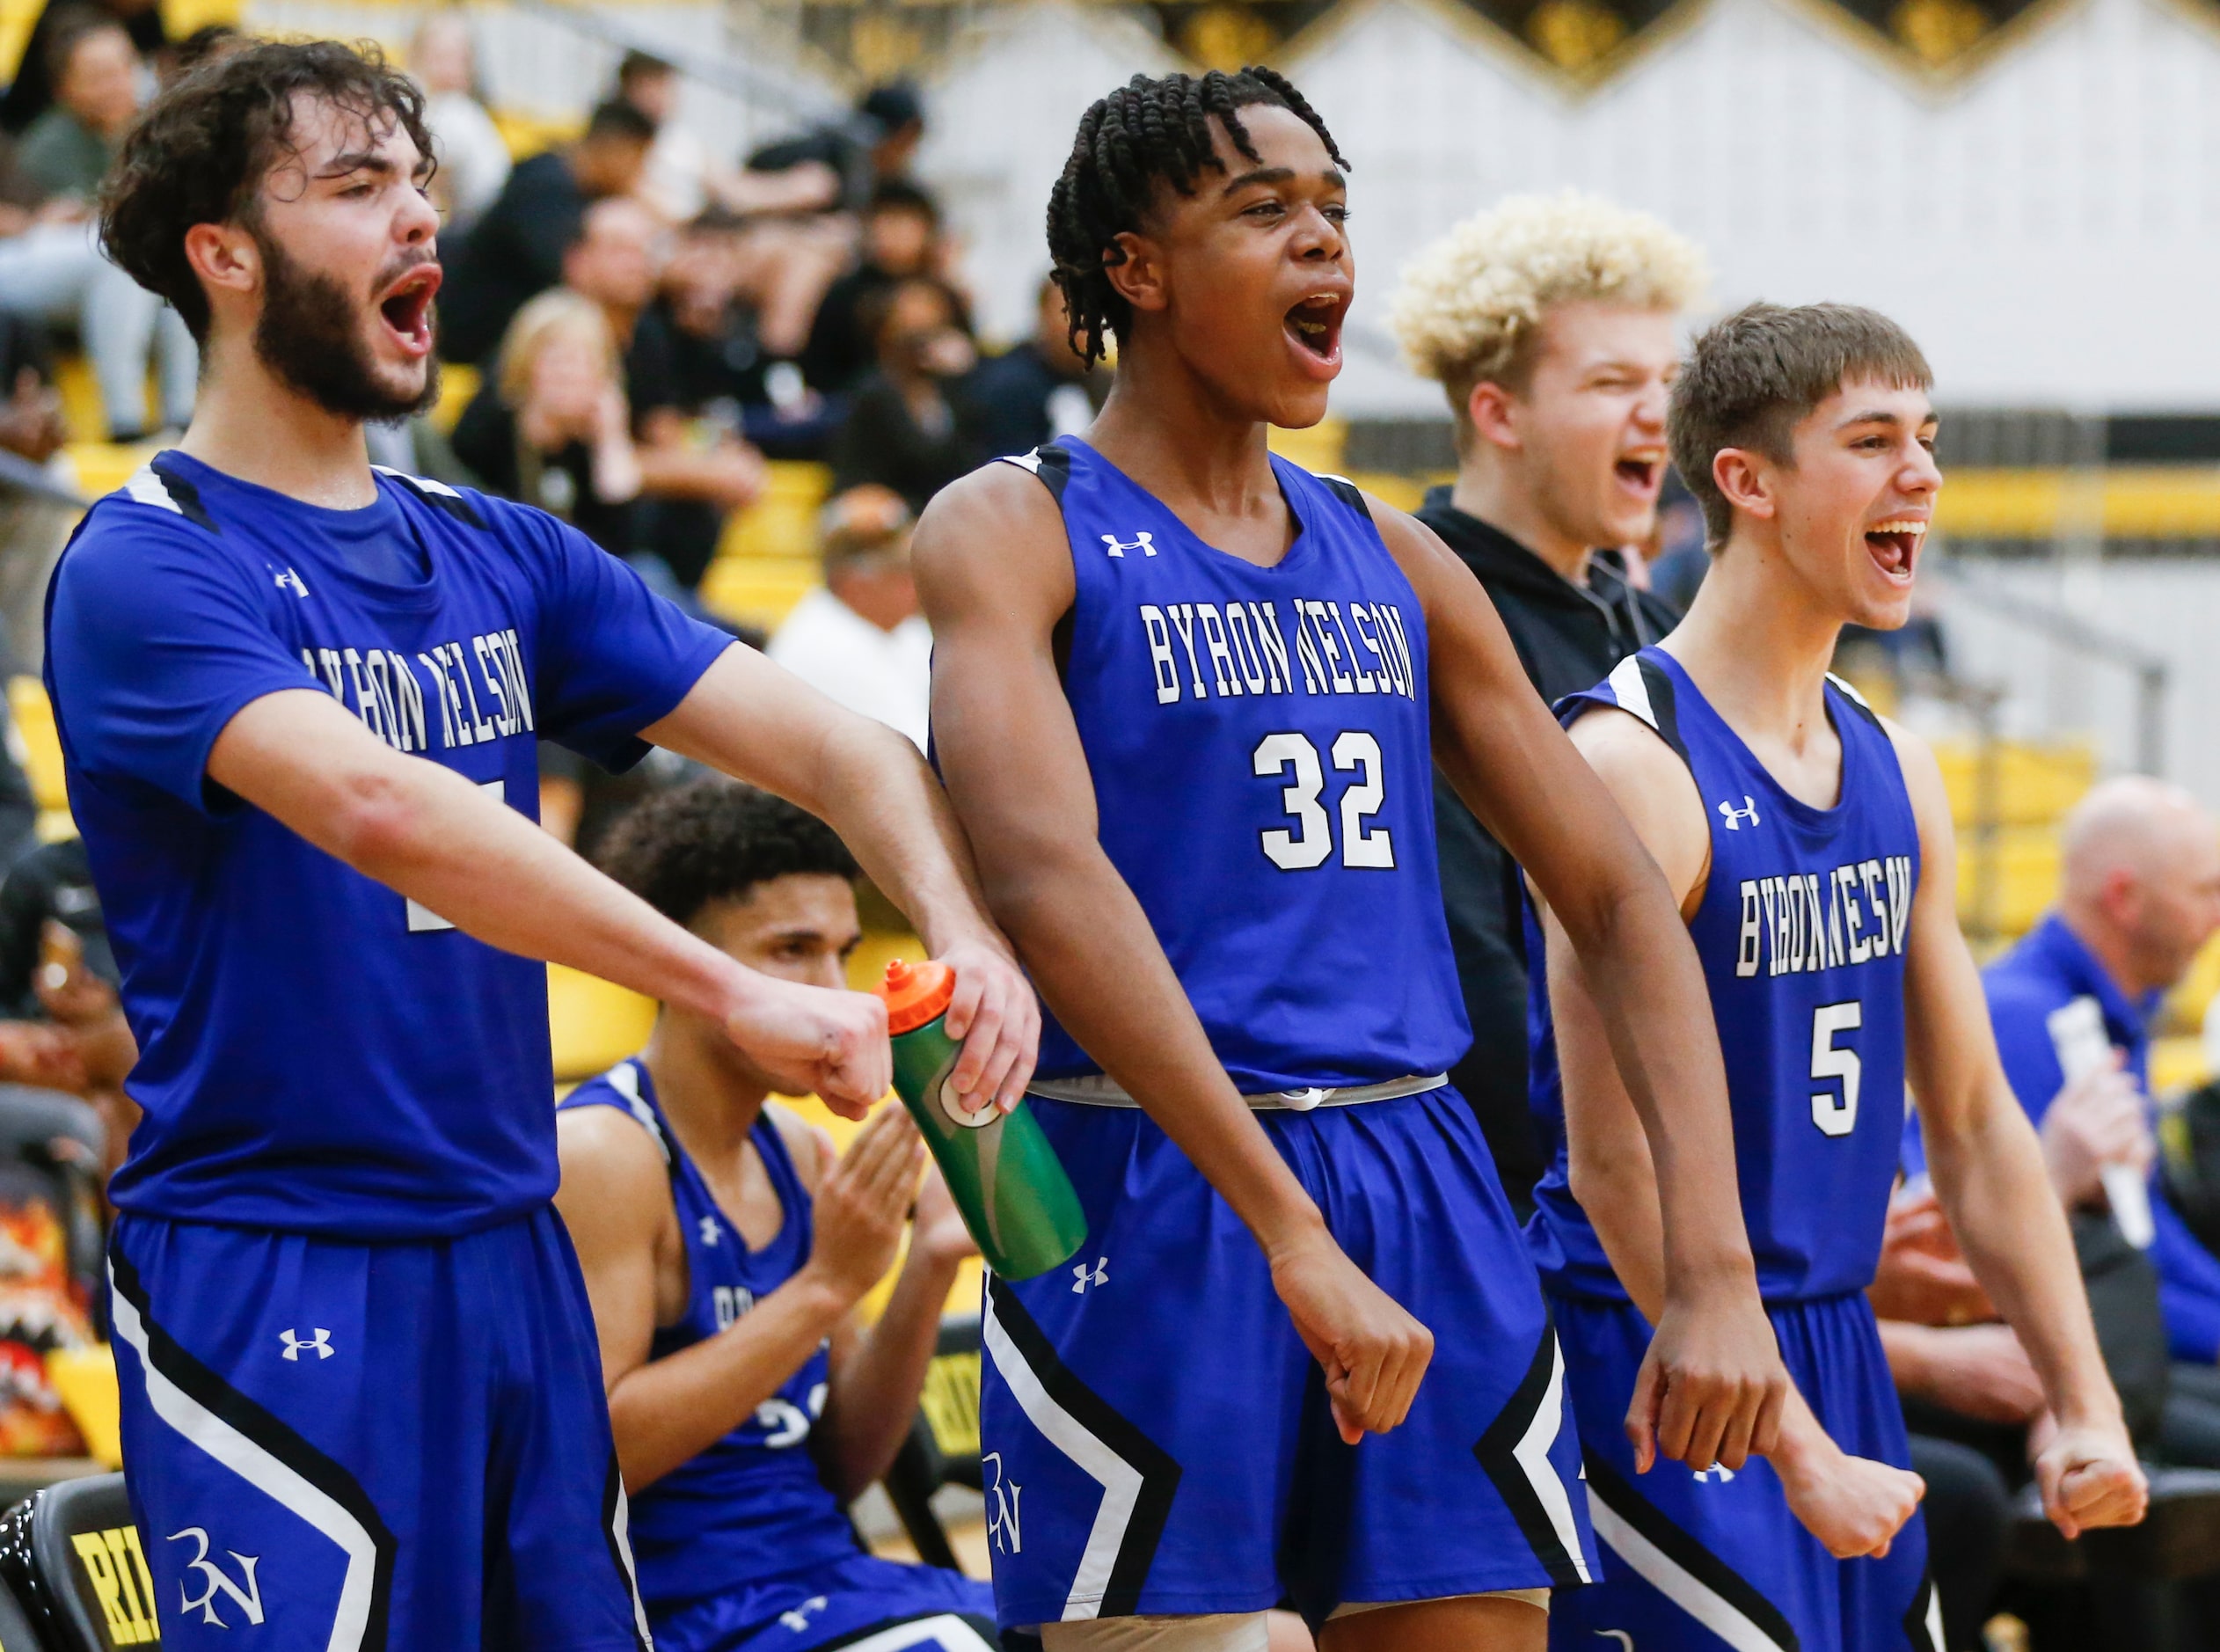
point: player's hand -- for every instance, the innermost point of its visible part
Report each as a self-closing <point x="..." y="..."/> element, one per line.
<point x="937" y="1233"/>
<point x="35" y="1054"/>
<point x="1854" y="1505"/>
<point x="997" y="1015"/>
<point x="1712" y="1386"/>
<point x="863" y="1202"/>
<point x="1372" y="1350"/>
<point x="813" y="1040"/>
<point x="2090" y="1477"/>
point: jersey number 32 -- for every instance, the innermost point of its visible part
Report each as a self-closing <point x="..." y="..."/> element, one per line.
<point x="1311" y="841"/>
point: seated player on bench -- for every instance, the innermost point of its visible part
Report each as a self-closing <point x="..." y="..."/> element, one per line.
<point x="725" y="1249"/>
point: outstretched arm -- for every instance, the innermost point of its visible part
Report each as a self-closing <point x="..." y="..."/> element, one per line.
<point x="761" y="724"/>
<point x="428" y="833"/>
<point x="995" y="574"/>
<point x="1989" y="1172"/>
<point x="1712" y="1385"/>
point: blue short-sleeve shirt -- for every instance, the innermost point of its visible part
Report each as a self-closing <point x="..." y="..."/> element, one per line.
<point x="318" y="1054"/>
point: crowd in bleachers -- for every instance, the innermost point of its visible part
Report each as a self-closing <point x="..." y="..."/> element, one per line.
<point x="650" y="325"/>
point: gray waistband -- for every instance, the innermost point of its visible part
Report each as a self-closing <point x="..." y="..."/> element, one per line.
<point x="1098" y="1090"/>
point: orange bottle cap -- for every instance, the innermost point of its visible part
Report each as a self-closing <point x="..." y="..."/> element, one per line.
<point x="915" y="994"/>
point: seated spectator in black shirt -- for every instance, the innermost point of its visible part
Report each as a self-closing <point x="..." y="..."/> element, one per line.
<point x="876" y="143"/>
<point x="903" y="430"/>
<point x="1035" y="390"/>
<point x="550" y="426"/>
<point x="515" y="249"/>
<point x="726" y="369"/>
<point x="900" y="241"/>
<point x="31" y="93"/>
<point x="687" y="485"/>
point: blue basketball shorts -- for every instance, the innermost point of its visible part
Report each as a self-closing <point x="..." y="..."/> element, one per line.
<point x="1156" y="1438"/>
<point x="357" y="1446"/>
<point x="857" y="1603"/>
<point x="1700" y="1561"/>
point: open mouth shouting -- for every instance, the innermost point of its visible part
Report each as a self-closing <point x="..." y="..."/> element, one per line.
<point x="1641" y="470"/>
<point x="406" y="309"/>
<point x="1314" y="327"/>
<point x="1895" y="545"/>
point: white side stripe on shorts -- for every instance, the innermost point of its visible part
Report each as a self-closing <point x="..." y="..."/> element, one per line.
<point x="1120" y="1481"/>
<point x="1698" y="1600"/>
<point x="256" y="1466"/>
<point x="1533" y="1454"/>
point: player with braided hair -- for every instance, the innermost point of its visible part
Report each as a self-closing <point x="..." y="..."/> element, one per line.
<point x="1188" y="700"/>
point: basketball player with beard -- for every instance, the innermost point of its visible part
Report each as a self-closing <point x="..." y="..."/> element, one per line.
<point x="299" y="702"/>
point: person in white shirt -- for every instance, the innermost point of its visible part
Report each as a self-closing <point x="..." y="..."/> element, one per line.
<point x="859" y="637"/>
<point x="474" y="161"/>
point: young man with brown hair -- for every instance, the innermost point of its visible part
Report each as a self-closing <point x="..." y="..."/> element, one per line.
<point x="1808" y="843"/>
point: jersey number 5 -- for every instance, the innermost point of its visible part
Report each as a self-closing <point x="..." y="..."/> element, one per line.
<point x="1834" y="1116"/>
<point x="1354" y="752"/>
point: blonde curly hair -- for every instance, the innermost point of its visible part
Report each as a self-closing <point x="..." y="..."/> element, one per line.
<point x="1470" y="308"/>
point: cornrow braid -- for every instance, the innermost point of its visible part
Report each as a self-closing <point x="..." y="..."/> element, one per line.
<point x="1147" y="132"/>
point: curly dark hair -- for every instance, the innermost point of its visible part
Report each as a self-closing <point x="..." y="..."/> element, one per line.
<point x="1147" y="132"/>
<point x="204" y="147"/>
<point x="713" y="839"/>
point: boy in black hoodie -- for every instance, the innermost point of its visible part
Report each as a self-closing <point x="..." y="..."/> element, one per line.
<point x="1552" y="324"/>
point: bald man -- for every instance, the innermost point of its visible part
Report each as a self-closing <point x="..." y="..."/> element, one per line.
<point x="2139" y="895"/>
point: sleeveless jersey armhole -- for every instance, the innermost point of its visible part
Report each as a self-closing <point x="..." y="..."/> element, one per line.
<point x="1643" y="690"/>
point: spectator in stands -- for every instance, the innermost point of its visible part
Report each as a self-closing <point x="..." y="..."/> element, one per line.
<point x="36" y="512"/>
<point x="859" y="638"/>
<point x="51" y="267"/>
<point x="2139" y="895"/>
<point x="726" y="1248"/>
<point x="903" y="429"/>
<point x="65" y="152"/>
<point x="901" y="242"/>
<point x="690" y="477"/>
<point x="1037" y="389"/>
<point x="515" y="250"/>
<point x="682" y="179"/>
<point x="1551" y="325"/>
<point x="33" y="90"/>
<point x="474" y="160"/>
<point x="714" y="295"/>
<point x="877" y="141"/>
<point x="550" y="426"/>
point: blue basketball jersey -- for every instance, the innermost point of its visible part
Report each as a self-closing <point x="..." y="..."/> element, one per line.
<point x="1258" y="739"/>
<point x="1802" y="932"/>
<point x="753" y="1505"/>
<point x="317" y="1054"/>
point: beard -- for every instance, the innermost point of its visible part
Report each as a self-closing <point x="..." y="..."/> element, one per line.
<point x="309" y="339"/>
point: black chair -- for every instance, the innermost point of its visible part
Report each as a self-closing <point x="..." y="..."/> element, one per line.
<point x="2179" y="1538"/>
<point x="71" y="1559"/>
<point x="943" y="1446"/>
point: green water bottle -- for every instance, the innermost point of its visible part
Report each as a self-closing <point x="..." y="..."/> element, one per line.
<point x="1014" y="1195"/>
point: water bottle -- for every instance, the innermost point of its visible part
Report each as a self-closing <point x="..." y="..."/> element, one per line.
<point x="1007" y="1181"/>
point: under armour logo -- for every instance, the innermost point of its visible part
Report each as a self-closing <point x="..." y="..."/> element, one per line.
<point x="710" y="1229"/>
<point x="320" y="1345"/>
<point x="1725" y="1474"/>
<point x="1141" y="541"/>
<point x="1002" y="1508"/>
<point x="1099" y="1277"/>
<point x="798" y="1619"/>
<point x="248" y="1599"/>
<point x="289" y="581"/>
<point x="1624" y="1640"/>
<point x="1735" y="817"/>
